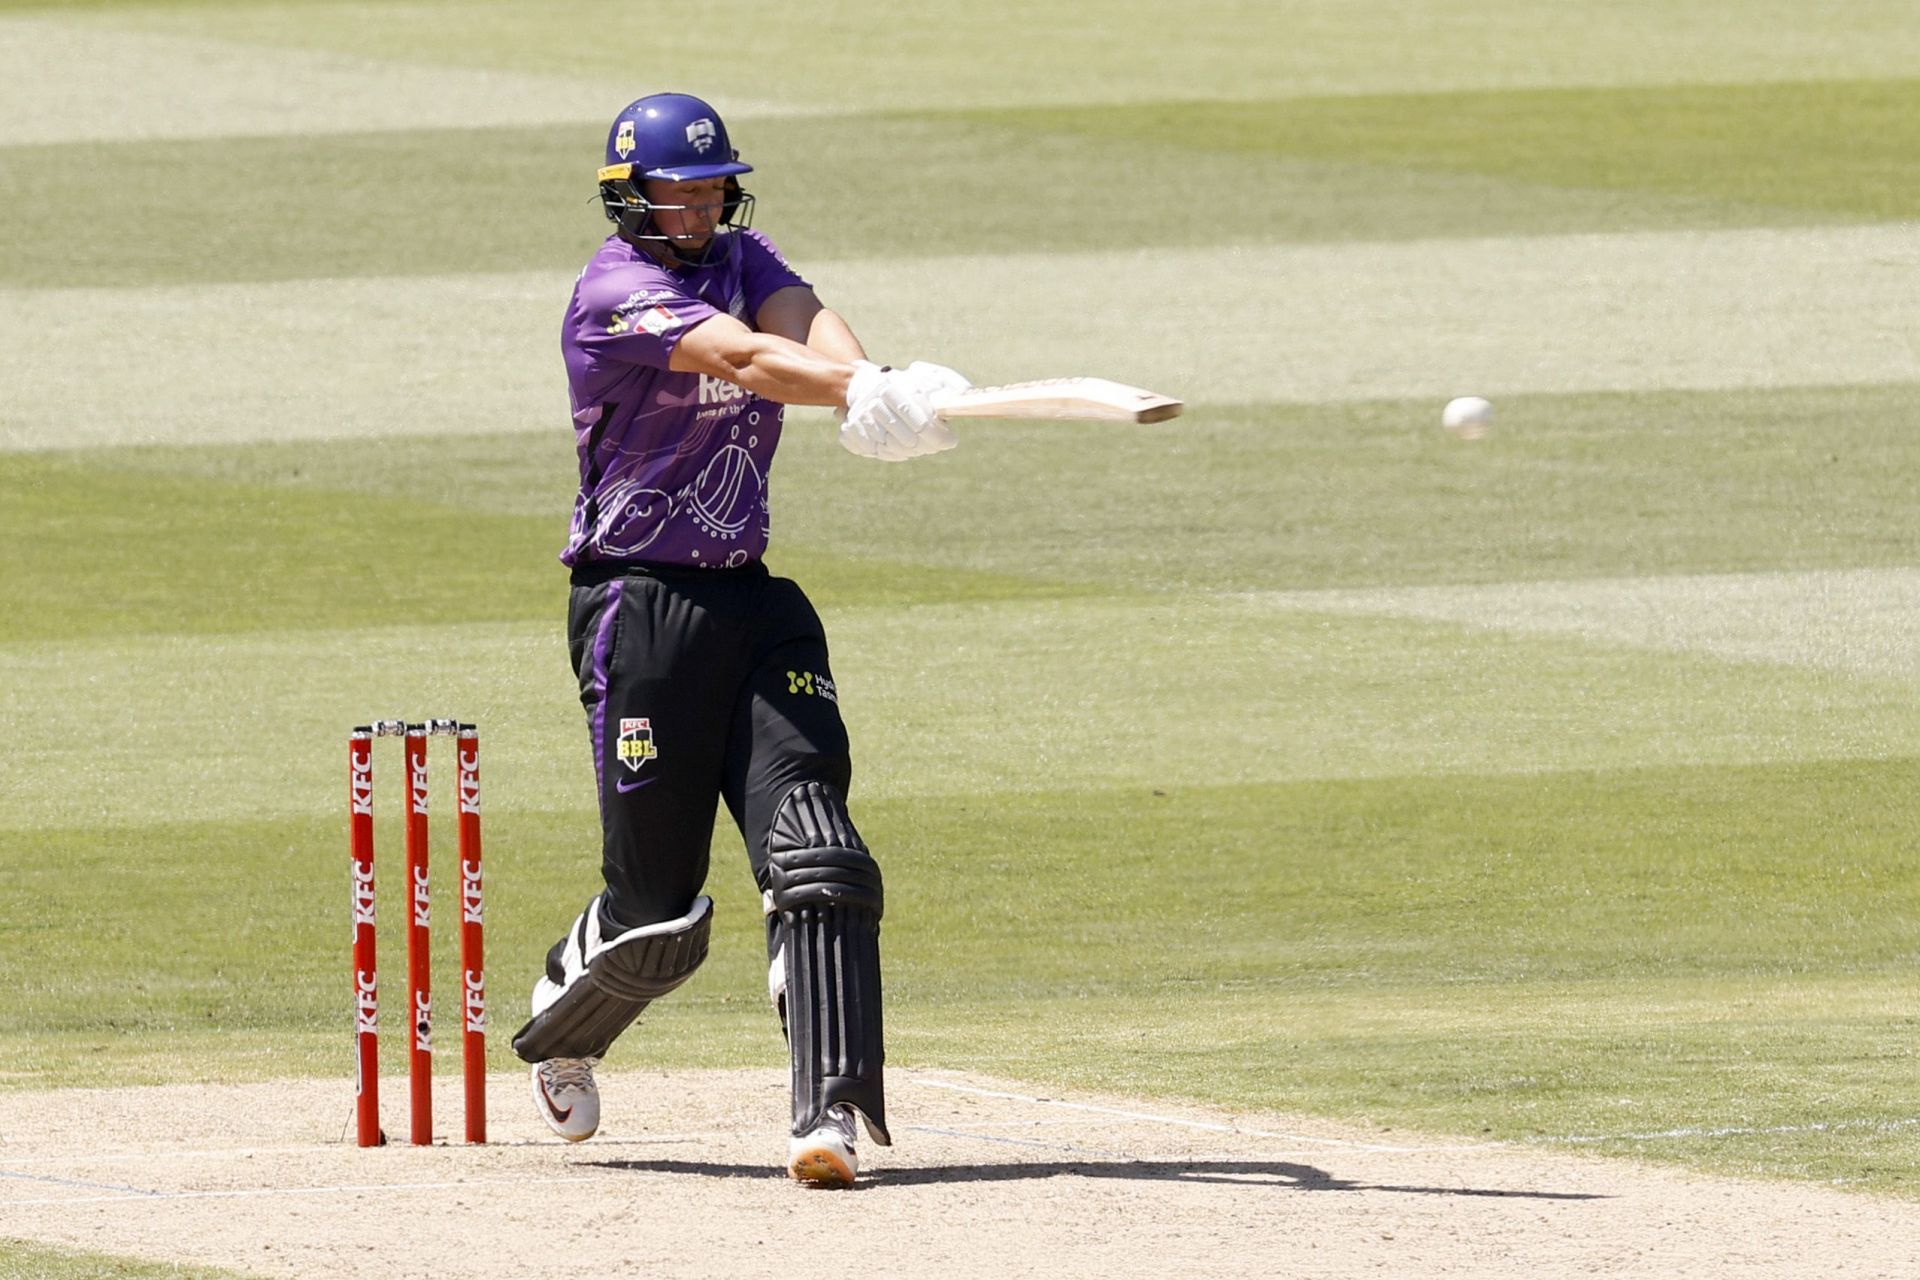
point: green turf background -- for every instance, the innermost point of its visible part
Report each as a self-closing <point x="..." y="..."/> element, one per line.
<point x="1155" y="817"/>
<point x="34" y="1262"/>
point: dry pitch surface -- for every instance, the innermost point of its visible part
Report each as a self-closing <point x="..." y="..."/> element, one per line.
<point x="684" y="1179"/>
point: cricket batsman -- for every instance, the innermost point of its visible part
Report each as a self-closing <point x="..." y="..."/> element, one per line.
<point x="703" y="676"/>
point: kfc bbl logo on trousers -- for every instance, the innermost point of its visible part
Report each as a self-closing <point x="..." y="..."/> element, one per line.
<point x="636" y="743"/>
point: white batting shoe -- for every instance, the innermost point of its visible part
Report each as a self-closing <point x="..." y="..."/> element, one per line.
<point x="826" y="1157"/>
<point x="566" y="1097"/>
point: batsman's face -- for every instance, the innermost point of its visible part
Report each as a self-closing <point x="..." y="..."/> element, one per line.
<point x="686" y="212"/>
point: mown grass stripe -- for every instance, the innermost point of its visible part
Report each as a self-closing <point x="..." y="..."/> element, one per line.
<point x="191" y="554"/>
<point x="1724" y="873"/>
<point x="497" y="196"/>
<point x="99" y="81"/>
<point x="1069" y="51"/>
<point x="999" y="698"/>
<point x="1839" y="147"/>
<point x="1250" y="497"/>
<point x="87" y="82"/>
<point x="1859" y="621"/>
<point x="1730" y="309"/>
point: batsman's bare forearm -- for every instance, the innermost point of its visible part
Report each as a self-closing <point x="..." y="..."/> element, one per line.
<point x="796" y="312"/>
<point x="830" y="336"/>
<point x="766" y="364"/>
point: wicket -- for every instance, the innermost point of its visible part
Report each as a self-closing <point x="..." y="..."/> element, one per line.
<point x="366" y="981"/>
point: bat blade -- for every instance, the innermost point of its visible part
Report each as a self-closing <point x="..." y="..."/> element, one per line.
<point x="1070" y="399"/>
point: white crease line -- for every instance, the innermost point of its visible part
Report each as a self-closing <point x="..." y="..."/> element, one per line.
<point x="191" y="1153"/>
<point x="1196" y="1124"/>
<point x="148" y="1197"/>
<point x="71" y="1182"/>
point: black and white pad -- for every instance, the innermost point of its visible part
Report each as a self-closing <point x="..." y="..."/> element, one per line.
<point x="605" y="984"/>
<point x="825" y="888"/>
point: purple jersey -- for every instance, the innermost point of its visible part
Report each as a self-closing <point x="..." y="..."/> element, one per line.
<point x="673" y="466"/>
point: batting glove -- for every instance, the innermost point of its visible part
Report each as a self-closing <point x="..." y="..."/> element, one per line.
<point x="889" y="416"/>
<point x="937" y="378"/>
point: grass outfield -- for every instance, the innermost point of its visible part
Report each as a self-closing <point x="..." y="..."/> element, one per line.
<point x="1459" y="873"/>
<point x="1553" y="789"/>
<point x="32" y="1262"/>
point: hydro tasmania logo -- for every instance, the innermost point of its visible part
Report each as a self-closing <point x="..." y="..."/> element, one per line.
<point x="813" y="682"/>
<point x="701" y="133"/>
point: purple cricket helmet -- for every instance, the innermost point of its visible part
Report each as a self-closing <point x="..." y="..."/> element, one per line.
<point x="674" y="136"/>
<point x="671" y="137"/>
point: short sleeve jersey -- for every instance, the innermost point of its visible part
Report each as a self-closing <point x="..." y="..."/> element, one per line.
<point x="673" y="466"/>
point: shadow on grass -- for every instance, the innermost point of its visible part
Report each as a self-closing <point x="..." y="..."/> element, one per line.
<point x="1240" y="1173"/>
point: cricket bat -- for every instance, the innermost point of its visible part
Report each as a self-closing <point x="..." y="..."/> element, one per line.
<point x="1078" y="399"/>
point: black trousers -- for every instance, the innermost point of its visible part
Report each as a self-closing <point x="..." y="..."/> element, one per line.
<point x="698" y="685"/>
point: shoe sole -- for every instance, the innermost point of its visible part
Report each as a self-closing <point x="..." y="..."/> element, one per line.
<point x="821" y="1167"/>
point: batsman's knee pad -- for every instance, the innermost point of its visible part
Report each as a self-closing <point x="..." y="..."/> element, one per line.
<point x="825" y="888"/>
<point x="605" y="983"/>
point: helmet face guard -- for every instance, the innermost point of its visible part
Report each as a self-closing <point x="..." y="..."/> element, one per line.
<point x="623" y="197"/>
<point x="671" y="137"/>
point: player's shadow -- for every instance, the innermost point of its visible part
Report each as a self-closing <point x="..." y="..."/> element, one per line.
<point x="1239" y="1173"/>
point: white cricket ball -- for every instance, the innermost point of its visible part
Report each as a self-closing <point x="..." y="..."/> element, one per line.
<point x="1467" y="417"/>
